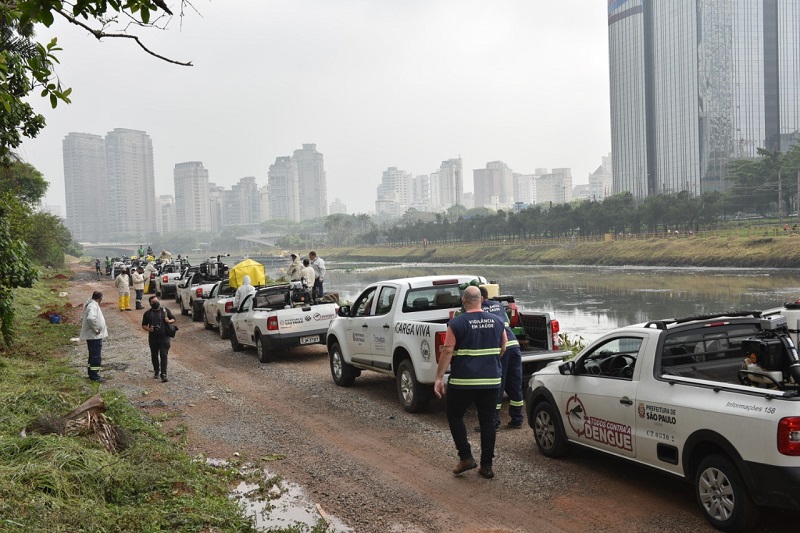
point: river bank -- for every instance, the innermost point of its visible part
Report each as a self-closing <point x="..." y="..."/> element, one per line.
<point x="731" y="251"/>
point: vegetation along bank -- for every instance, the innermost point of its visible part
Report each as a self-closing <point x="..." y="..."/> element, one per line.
<point x="725" y="250"/>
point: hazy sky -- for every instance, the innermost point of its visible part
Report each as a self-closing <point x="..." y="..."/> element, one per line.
<point x="374" y="83"/>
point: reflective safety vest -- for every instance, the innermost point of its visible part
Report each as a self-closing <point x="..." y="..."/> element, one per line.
<point x="496" y="308"/>
<point x="476" y="358"/>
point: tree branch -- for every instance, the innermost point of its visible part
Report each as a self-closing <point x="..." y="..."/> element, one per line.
<point x="100" y="34"/>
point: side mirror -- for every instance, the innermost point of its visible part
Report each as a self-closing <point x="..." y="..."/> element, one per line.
<point x="566" y="368"/>
<point x="344" y="311"/>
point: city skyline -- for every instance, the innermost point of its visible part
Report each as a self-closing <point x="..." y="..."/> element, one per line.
<point x="373" y="85"/>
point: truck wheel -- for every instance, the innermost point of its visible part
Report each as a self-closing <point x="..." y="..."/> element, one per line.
<point x="261" y="349"/>
<point x="343" y="373"/>
<point x="224" y="331"/>
<point x="158" y="293"/>
<point x="723" y="496"/>
<point x="235" y="346"/>
<point x="206" y="324"/>
<point x="184" y="312"/>
<point x="547" y="432"/>
<point x="196" y="315"/>
<point x="414" y="396"/>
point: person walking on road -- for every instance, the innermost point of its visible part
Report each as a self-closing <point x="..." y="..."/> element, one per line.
<point x="154" y="322"/>
<point x="138" y="286"/>
<point x="122" y="283"/>
<point x="319" y="274"/>
<point x="473" y="346"/>
<point x="93" y="331"/>
<point x="511" y="363"/>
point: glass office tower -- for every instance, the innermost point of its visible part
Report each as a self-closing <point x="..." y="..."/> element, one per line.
<point x="697" y="83"/>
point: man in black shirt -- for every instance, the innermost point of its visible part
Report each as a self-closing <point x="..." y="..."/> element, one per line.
<point x="155" y="322"/>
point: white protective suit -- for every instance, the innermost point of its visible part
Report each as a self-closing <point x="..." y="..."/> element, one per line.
<point x="242" y="292"/>
<point x="294" y="269"/>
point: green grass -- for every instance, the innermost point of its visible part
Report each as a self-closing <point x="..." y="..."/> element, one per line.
<point x="56" y="482"/>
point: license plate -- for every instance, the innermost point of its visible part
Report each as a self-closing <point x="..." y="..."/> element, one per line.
<point x="312" y="339"/>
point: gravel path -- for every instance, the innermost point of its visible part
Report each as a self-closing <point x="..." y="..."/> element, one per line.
<point x="365" y="460"/>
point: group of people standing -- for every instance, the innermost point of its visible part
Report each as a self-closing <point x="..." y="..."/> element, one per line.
<point x="310" y="270"/>
<point x="156" y="321"/>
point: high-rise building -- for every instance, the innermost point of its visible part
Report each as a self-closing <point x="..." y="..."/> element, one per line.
<point x="555" y="187"/>
<point x="131" y="188"/>
<point x="313" y="188"/>
<point x="601" y="181"/>
<point x="283" y="184"/>
<point x="192" y="197"/>
<point x="165" y="214"/>
<point x="216" y="201"/>
<point x="447" y="184"/>
<point x="248" y="201"/>
<point x="493" y="186"/>
<point x="394" y="193"/>
<point x="338" y="207"/>
<point x="524" y="189"/>
<point x="421" y="193"/>
<point x="696" y="84"/>
<point x="263" y="193"/>
<point x="85" y="186"/>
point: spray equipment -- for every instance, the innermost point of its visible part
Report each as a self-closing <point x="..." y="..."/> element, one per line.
<point x="772" y="360"/>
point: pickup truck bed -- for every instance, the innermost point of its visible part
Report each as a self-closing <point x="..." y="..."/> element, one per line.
<point x="269" y="322"/>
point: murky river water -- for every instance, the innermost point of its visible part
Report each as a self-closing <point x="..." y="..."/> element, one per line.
<point x="589" y="301"/>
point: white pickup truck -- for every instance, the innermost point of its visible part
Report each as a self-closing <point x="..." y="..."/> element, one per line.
<point x="168" y="275"/>
<point x="268" y="321"/>
<point x="192" y="293"/>
<point x="396" y="327"/>
<point x="713" y="399"/>
<point x="218" y="308"/>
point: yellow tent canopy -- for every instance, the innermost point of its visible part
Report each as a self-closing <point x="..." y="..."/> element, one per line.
<point x="248" y="267"/>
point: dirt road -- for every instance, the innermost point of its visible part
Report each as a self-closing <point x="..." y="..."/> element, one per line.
<point x="364" y="459"/>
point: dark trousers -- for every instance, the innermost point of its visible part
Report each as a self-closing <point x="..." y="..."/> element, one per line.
<point x="139" y="293"/>
<point x="511" y="363"/>
<point x="159" y="350"/>
<point x="458" y="400"/>
<point x="95" y="358"/>
<point x="318" y="288"/>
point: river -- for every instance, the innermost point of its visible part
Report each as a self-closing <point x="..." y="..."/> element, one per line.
<point x="589" y="301"/>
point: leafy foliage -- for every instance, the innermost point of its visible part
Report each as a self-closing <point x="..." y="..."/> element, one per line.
<point x="27" y="65"/>
<point x="16" y="270"/>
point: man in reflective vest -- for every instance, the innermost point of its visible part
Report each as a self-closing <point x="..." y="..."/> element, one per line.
<point x="511" y="366"/>
<point x="473" y="345"/>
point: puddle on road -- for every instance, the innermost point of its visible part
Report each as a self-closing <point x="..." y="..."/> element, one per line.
<point x="281" y="505"/>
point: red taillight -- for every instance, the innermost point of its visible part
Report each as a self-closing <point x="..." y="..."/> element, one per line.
<point x="152" y="275"/>
<point x="229" y="307"/>
<point x="789" y="435"/>
<point x="165" y="279"/>
<point x="198" y="292"/>
<point x="438" y="342"/>
<point x="554" y="328"/>
<point x="272" y="323"/>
